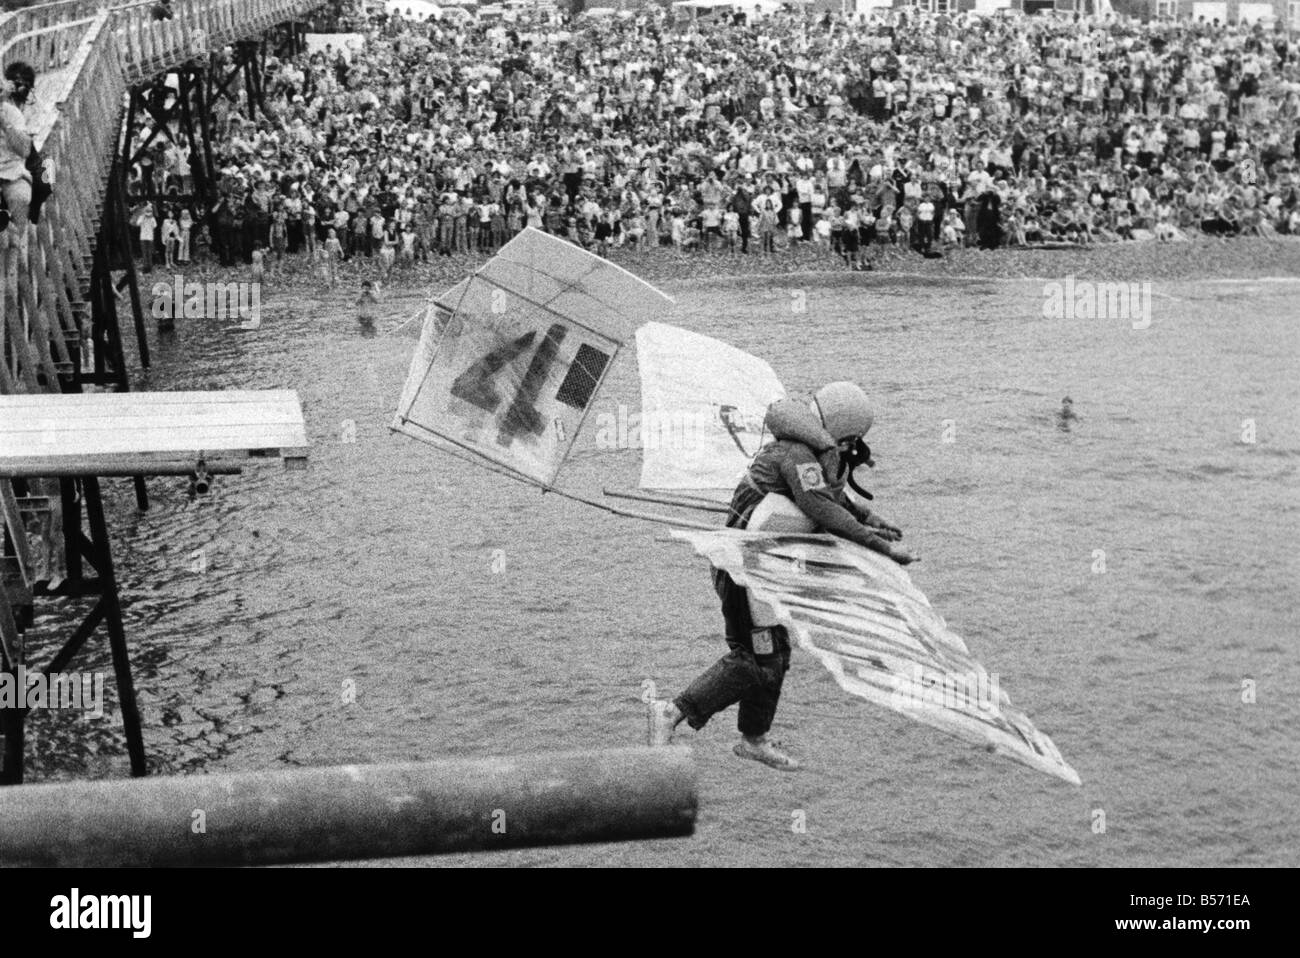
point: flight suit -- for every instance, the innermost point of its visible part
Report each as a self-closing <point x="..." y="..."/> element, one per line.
<point x="753" y="672"/>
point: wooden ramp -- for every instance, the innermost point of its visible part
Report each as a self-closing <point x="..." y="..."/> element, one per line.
<point x="102" y="434"/>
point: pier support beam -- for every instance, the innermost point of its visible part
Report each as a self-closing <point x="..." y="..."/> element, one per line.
<point x="352" y="812"/>
<point x="246" y="65"/>
<point x="183" y="117"/>
<point x="96" y="550"/>
<point x="113" y="251"/>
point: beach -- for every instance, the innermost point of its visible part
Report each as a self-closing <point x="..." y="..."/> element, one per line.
<point x="1237" y="258"/>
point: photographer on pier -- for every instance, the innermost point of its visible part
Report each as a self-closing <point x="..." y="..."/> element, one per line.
<point x="15" y="147"/>
<point x="15" y="171"/>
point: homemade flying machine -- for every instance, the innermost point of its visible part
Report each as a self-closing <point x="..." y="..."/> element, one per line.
<point x="508" y="364"/>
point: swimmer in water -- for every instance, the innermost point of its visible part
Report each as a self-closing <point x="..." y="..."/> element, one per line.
<point x="1066" y="415"/>
<point x="258" y="272"/>
<point x="366" y="306"/>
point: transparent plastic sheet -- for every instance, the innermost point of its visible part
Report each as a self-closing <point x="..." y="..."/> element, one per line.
<point x="702" y="408"/>
<point x="511" y="358"/>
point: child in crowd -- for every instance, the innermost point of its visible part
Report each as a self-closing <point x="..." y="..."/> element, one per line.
<point x="171" y="234"/>
<point x="388" y="250"/>
<point x="768" y="207"/>
<point x="822" y="230"/>
<point x="794" y="225"/>
<point x="148" y="225"/>
<point x="309" y="228"/>
<point x="635" y="231"/>
<point x="952" y="229"/>
<point x="406" y="248"/>
<point x="333" y="256"/>
<point x="1124" y="223"/>
<point x="691" y="239"/>
<point x="711" y="224"/>
<point x="604" y="231"/>
<point x="485" y="210"/>
<point x="446" y="224"/>
<point x="323" y="266"/>
<point x="731" y="229"/>
<point x="360" y="235"/>
<point x="886" y="227"/>
<point x="498" y="227"/>
<point x="279" y="232"/>
<point x="678" y="230"/>
<point x="905" y="221"/>
<point x="186" y="228"/>
<point x="460" y="224"/>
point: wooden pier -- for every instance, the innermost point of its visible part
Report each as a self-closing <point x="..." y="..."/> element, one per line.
<point x="63" y="366"/>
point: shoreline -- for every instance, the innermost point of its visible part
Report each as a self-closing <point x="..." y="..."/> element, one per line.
<point x="1202" y="260"/>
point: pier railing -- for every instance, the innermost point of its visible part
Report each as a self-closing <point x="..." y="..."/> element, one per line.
<point x="46" y="271"/>
<point x="150" y="46"/>
<point x="44" y="15"/>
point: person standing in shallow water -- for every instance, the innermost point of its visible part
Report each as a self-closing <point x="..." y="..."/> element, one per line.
<point x="367" y="308"/>
<point x="1066" y="415"/>
<point x="803" y="464"/>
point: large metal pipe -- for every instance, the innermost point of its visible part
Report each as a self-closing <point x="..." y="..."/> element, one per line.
<point x="352" y="811"/>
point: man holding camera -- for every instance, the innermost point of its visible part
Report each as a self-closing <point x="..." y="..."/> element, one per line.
<point x="15" y="146"/>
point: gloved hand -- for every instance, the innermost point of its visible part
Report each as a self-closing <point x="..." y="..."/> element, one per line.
<point x="902" y="556"/>
<point x="886" y="529"/>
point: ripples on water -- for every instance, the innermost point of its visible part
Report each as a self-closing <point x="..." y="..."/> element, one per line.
<point x="376" y="566"/>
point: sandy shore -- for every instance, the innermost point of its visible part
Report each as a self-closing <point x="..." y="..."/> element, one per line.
<point x="1252" y="258"/>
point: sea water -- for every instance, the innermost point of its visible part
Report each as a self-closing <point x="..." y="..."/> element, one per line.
<point x="1129" y="575"/>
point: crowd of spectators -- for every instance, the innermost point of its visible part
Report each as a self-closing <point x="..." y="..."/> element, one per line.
<point x="924" y="132"/>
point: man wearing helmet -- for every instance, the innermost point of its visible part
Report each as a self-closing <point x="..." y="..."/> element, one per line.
<point x="815" y="449"/>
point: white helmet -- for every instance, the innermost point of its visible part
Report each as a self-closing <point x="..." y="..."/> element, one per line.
<point x="844" y="410"/>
